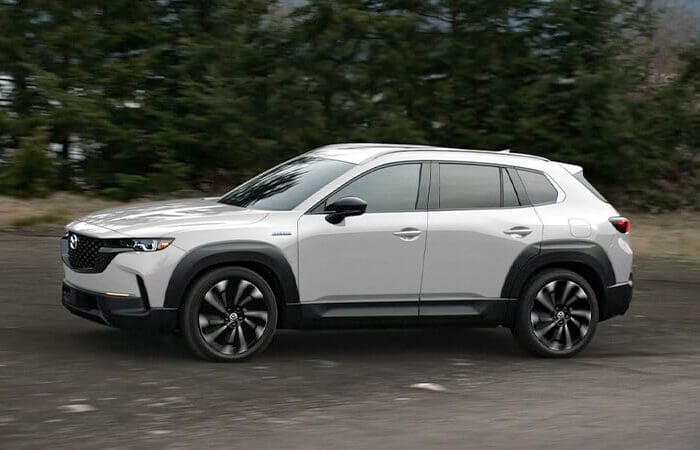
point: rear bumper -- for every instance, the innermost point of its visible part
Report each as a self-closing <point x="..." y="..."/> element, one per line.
<point x="121" y="312"/>
<point x="617" y="299"/>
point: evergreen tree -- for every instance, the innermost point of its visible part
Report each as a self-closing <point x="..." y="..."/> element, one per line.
<point x="149" y="96"/>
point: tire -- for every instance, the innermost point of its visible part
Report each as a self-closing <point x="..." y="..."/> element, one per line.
<point x="229" y="315"/>
<point x="557" y="314"/>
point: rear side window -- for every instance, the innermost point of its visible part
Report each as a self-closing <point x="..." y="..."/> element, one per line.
<point x="538" y="187"/>
<point x="465" y="186"/>
<point x="579" y="176"/>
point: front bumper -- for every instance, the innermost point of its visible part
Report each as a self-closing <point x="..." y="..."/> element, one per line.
<point x="132" y="273"/>
<point x="121" y="312"/>
<point x="617" y="299"/>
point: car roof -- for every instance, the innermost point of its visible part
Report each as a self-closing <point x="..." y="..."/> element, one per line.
<point x="359" y="153"/>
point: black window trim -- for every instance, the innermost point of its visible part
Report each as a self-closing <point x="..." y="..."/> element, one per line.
<point x="520" y="191"/>
<point x="519" y="186"/>
<point x="520" y="196"/>
<point x="501" y="187"/>
<point x="424" y="182"/>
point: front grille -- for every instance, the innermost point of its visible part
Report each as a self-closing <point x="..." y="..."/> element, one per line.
<point x="84" y="255"/>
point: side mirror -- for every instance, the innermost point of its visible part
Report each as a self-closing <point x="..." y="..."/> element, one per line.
<point x="345" y="207"/>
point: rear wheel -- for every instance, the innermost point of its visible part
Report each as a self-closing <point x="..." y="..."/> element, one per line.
<point x="230" y="314"/>
<point x="557" y="314"/>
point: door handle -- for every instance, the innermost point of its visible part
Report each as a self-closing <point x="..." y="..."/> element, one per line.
<point x="407" y="234"/>
<point x="518" y="231"/>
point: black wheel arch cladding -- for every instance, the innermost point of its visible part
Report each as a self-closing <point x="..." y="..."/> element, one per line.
<point x="564" y="254"/>
<point x="209" y="256"/>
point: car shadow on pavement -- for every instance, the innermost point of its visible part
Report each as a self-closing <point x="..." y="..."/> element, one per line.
<point x="393" y="342"/>
<point x="321" y="344"/>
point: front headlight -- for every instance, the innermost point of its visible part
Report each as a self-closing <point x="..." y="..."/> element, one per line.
<point x="145" y="244"/>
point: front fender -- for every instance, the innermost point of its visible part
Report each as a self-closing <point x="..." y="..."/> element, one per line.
<point x="205" y="257"/>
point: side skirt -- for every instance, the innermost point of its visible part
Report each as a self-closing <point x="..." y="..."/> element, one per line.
<point x="469" y="311"/>
<point x="369" y="314"/>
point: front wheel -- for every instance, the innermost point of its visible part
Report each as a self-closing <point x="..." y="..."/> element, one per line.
<point x="557" y="314"/>
<point x="230" y="314"/>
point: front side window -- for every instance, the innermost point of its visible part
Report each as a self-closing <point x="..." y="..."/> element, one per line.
<point x="538" y="187"/>
<point x="467" y="186"/>
<point x="286" y="186"/>
<point x="392" y="188"/>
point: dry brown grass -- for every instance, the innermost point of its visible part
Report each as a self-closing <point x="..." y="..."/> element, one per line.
<point x="668" y="235"/>
<point x="47" y="213"/>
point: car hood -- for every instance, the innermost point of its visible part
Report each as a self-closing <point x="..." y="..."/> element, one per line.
<point x="162" y="219"/>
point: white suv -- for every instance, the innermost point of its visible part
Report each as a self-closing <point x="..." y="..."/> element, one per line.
<point x="362" y="235"/>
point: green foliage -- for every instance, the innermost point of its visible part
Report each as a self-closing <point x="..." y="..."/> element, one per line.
<point x="126" y="186"/>
<point x="30" y="172"/>
<point x="151" y="97"/>
<point x="167" y="177"/>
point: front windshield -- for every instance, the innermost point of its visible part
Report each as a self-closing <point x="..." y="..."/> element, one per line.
<point x="287" y="185"/>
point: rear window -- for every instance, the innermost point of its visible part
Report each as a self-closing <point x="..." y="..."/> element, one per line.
<point x="538" y="187"/>
<point x="465" y="186"/>
<point x="579" y="176"/>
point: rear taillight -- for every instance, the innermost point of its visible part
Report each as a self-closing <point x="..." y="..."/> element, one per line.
<point x="621" y="224"/>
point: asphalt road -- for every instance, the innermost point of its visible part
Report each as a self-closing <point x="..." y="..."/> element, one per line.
<point x="68" y="383"/>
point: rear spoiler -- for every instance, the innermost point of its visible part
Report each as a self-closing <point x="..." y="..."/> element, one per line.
<point x="571" y="168"/>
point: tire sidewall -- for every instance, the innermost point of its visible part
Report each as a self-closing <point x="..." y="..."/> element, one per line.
<point x="523" y="329"/>
<point x="190" y="313"/>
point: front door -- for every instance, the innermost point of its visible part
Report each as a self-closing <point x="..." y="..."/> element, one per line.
<point x="368" y="265"/>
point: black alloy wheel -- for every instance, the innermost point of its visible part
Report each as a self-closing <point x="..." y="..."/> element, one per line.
<point x="557" y="314"/>
<point x="230" y="315"/>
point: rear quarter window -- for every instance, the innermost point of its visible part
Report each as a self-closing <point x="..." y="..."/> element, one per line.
<point x="538" y="187"/>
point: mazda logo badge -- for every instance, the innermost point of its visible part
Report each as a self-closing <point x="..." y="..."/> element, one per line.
<point x="73" y="241"/>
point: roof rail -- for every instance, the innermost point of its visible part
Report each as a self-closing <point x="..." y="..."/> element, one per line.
<point x="507" y="152"/>
<point x="398" y="148"/>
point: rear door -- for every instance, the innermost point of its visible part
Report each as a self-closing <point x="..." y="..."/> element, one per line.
<point x="477" y="226"/>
